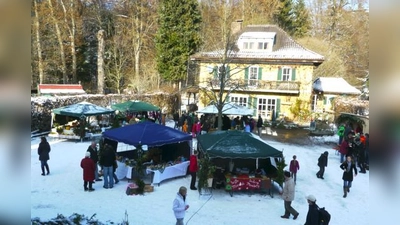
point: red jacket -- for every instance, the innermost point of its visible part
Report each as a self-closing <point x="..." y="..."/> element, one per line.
<point x="193" y="167"/>
<point x="344" y="147"/>
<point x="88" y="167"/>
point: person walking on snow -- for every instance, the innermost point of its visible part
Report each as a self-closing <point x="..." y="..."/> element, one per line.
<point x="288" y="197"/>
<point x="179" y="206"/>
<point x="293" y="168"/>
<point x="193" y="168"/>
<point x="312" y="214"/>
<point x="43" y="152"/>
<point x="348" y="167"/>
<point x="322" y="163"/>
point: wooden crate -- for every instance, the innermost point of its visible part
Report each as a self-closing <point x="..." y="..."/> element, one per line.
<point x="148" y="188"/>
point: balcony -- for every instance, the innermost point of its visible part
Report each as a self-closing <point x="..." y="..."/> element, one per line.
<point x="262" y="86"/>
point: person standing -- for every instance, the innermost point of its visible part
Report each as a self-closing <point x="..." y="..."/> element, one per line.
<point x="193" y="168"/>
<point x="348" y="167"/>
<point x="95" y="157"/>
<point x="288" y="196"/>
<point x="43" y="152"/>
<point x="322" y="163"/>
<point x="293" y="168"/>
<point x="345" y="146"/>
<point x="259" y="125"/>
<point x="179" y="206"/>
<point x="88" y="167"/>
<point x="107" y="160"/>
<point x="312" y="214"/>
<point x="340" y="133"/>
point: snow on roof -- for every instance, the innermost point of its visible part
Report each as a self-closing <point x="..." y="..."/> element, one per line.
<point x="334" y="85"/>
<point x="61" y="89"/>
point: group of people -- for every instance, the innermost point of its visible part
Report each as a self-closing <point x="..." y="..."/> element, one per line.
<point x="107" y="163"/>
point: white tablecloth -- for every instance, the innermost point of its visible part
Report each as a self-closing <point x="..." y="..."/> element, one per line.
<point x="122" y="170"/>
<point x="169" y="172"/>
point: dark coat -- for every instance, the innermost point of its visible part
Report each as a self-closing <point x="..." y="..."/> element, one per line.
<point x="312" y="215"/>
<point x="88" y="167"/>
<point x="259" y="122"/>
<point x="348" y="175"/>
<point x="93" y="154"/>
<point x="107" y="158"/>
<point x="323" y="160"/>
<point x="44" y="150"/>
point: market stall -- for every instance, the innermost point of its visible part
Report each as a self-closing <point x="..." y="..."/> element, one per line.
<point x="167" y="153"/>
<point x="246" y="161"/>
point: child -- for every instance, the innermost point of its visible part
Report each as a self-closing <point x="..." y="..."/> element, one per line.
<point x="294" y="166"/>
<point x="88" y="167"/>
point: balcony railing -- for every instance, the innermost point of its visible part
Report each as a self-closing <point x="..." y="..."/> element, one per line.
<point x="262" y="85"/>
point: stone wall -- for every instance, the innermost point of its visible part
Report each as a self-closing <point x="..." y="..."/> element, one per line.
<point x="41" y="106"/>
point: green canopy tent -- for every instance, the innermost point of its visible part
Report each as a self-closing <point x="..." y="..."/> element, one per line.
<point x="135" y="106"/>
<point x="242" y="147"/>
<point x="82" y="110"/>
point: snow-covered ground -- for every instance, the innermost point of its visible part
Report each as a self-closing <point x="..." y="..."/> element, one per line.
<point x="62" y="193"/>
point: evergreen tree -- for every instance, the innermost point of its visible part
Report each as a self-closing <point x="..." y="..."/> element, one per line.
<point x="284" y="17"/>
<point x="302" y="21"/>
<point x="178" y="37"/>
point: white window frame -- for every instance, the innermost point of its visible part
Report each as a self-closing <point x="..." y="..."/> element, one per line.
<point x="246" y="45"/>
<point x="286" y="74"/>
<point x="239" y="100"/>
<point x="253" y="76"/>
<point x="266" y="106"/>
<point x="314" y="103"/>
<point x="262" y="45"/>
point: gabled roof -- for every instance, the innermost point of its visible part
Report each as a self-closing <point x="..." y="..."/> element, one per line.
<point x="60" y="89"/>
<point x="285" y="48"/>
<point x="334" y="85"/>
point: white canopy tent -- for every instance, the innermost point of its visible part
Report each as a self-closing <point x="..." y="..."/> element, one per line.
<point x="228" y="109"/>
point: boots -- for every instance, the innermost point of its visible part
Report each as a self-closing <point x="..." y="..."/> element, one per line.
<point x="90" y="186"/>
<point x="345" y="192"/>
<point x="48" y="170"/>
<point x="42" y="171"/>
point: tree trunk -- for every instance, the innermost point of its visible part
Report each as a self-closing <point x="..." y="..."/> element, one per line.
<point x="38" y="44"/>
<point x="71" y="31"/>
<point x="100" y="62"/>
<point x="60" y="43"/>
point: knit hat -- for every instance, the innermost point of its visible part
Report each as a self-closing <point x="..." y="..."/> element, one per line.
<point x="311" y="198"/>
<point x="87" y="154"/>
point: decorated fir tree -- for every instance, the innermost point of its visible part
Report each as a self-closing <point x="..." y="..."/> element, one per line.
<point x="281" y="164"/>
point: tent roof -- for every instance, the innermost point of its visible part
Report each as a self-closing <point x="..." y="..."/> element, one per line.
<point x="228" y="109"/>
<point x="334" y="85"/>
<point x="146" y="133"/>
<point x="135" y="106"/>
<point x="236" y="144"/>
<point x="82" y="109"/>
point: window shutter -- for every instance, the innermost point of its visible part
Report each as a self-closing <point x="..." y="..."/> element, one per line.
<point x="293" y="74"/>
<point x="228" y="72"/>
<point x="325" y="101"/>
<point x="280" y="74"/>
<point x="259" y="73"/>
<point x="278" y="108"/>
<point x="254" y="106"/>
<point x="246" y="73"/>
<point x="215" y="72"/>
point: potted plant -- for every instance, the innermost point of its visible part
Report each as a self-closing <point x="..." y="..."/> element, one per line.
<point x="205" y="173"/>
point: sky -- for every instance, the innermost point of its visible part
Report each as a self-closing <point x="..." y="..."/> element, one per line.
<point x="62" y="192"/>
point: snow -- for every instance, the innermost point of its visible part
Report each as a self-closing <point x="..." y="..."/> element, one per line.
<point x="62" y="193"/>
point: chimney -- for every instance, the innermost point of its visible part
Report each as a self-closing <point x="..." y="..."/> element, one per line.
<point x="236" y="26"/>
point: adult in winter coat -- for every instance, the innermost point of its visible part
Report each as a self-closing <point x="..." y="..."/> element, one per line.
<point x="94" y="156"/>
<point x="179" y="206"/>
<point x="348" y="167"/>
<point x="43" y="152"/>
<point x="294" y="167"/>
<point x="259" y="125"/>
<point x="107" y="160"/>
<point x="340" y="133"/>
<point x="288" y="196"/>
<point x="345" y="146"/>
<point x="322" y="163"/>
<point x="193" y="168"/>
<point x="312" y="214"/>
<point x="88" y="167"/>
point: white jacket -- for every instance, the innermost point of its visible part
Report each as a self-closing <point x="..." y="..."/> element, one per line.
<point x="179" y="206"/>
<point x="288" y="190"/>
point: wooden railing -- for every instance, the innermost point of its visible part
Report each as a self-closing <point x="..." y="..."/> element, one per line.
<point x="262" y="85"/>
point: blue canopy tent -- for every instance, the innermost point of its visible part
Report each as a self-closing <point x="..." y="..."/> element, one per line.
<point x="173" y="142"/>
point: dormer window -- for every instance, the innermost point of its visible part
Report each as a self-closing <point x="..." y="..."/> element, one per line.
<point x="257" y="41"/>
<point x="262" y="45"/>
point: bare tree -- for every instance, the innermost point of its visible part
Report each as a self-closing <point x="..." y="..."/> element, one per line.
<point x="37" y="42"/>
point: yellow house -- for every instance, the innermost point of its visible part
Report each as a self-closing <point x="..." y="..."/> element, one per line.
<point x="272" y="69"/>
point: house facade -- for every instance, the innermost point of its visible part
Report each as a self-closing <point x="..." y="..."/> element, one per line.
<point x="274" y="71"/>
